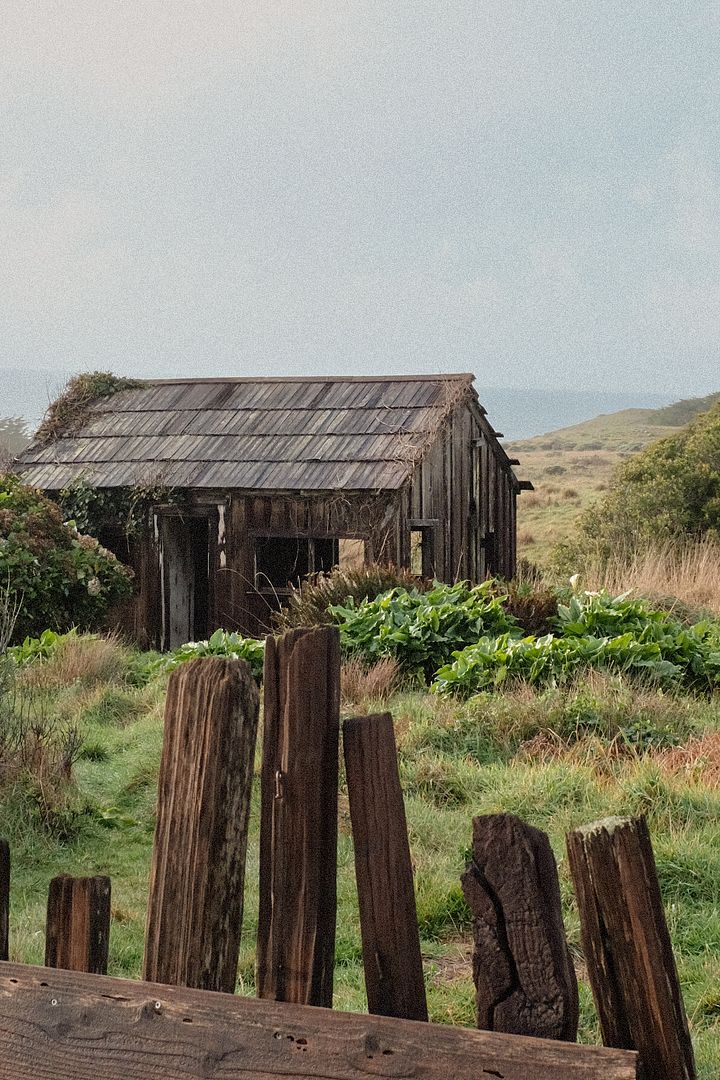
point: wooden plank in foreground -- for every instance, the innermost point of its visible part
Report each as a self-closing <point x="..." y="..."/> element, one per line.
<point x="63" y="1024"/>
<point x="298" y="817"/>
<point x="383" y="870"/>
<point x="195" y="906"/>
<point x="77" y="934"/>
<point x="627" y="946"/>
<point x="4" y="898"/>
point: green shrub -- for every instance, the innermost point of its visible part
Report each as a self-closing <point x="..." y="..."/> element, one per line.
<point x="547" y="661"/>
<point x="62" y="577"/>
<point x="422" y="630"/>
<point x="669" y="491"/>
<point x="221" y="643"/>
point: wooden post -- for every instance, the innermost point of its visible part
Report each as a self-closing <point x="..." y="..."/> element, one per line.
<point x="77" y="932"/>
<point x="195" y="907"/>
<point x="4" y="899"/>
<point x="298" y="825"/>
<point x="383" y="870"/>
<point x="627" y="946"/>
<point x="524" y="977"/>
<point x="91" y="1027"/>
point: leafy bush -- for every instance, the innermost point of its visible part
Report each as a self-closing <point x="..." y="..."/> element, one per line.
<point x="221" y="643"/>
<point x="38" y="648"/>
<point x="309" y="605"/>
<point x="595" y="630"/>
<point x="669" y="491"/>
<point x="62" y="577"/>
<point x="547" y="660"/>
<point x="422" y="630"/>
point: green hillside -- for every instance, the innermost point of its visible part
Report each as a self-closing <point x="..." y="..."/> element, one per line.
<point x="572" y="466"/>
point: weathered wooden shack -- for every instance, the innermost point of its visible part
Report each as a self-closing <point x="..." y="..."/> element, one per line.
<point x="281" y="477"/>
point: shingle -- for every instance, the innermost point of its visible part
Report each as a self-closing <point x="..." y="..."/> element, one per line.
<point x="264" y="434"/>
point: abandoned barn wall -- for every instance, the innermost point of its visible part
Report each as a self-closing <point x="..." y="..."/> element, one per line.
<point x="459" y="500"/>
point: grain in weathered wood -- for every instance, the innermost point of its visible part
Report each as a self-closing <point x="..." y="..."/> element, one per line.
<point x="298" y="821"/>
<point x="195" y="906"/>
<point x="62" y="1024"/>
<point x="524" y="978"/>
<point x="77" y="932"/>
<point x="4" y="899"/>
<point x="627" y="946"/>
<point x="383" y="870"/>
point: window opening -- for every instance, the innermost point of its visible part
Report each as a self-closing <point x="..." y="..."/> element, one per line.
<point x="422" y="550"/>
<point x="351" y="554"/>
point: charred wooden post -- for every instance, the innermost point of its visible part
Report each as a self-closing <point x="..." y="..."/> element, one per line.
<point x="77" y="933"/>
<point x="4" y="899"/>
<point x="298" y="825"/>
<point x="383" y="870"/>
<point x="627" y="946"/>
<point x="64" y="1024"/>
<point x="524" y="978"/>
<point x="195" y="906"/>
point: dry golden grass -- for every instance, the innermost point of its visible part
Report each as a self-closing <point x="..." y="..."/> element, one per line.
<point x="690" y="573"/>
<point x="363" y="686"/>
<point x="698" y="761"/>
<point x="82" y="659"/>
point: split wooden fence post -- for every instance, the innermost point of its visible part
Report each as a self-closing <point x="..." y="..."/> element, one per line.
<point x="298" y="824"/>
<point x="195" y="906"/>
<point x="77" y="932"/>
<point x="524" y="977"/>
<point x="383" y="870"/>
<point x="627" y="946"/>
<point x="4" y="899"/>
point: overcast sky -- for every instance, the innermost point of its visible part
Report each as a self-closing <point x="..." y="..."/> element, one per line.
<point x="527" y="190"/>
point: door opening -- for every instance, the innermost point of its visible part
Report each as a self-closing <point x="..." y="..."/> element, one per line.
<point x="185" y="578"/>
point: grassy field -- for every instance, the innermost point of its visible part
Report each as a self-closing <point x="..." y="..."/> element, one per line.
<point x="557" y="758"/>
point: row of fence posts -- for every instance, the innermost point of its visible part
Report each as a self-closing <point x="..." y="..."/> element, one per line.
<point x="522" y="969"/>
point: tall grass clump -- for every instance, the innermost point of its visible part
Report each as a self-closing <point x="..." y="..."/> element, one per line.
<point x="683" y="575"/>
<point x="87" y="659"/>
<point x="310" y="603"/>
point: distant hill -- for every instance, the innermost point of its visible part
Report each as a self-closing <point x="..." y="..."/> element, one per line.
<point x="572" y="466"/>
<point x="682" y="412"/>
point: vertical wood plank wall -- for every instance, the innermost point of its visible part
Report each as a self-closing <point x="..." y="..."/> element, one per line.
<point x="464" y="483"/>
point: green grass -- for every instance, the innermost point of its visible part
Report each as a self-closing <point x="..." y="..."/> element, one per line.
<point x="557" y="759"/>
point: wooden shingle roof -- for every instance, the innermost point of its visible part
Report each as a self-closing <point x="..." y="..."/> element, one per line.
<point x="363" y="433"/>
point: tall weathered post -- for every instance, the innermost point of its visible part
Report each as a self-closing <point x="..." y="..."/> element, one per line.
<point x="627" y="946"/>
<point x="195" y="906"/>
<point x="4" y="899"/>
<point x="383" y="870"/>
<point x="298" y="825"/>
<point x="77" y="932"/>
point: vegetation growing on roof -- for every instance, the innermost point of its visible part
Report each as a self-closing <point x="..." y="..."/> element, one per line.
<point x="71" y="411"/>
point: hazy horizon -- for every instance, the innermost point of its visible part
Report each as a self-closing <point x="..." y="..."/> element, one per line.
<point x="520" y="412"/>
<point x="528" y="191"/>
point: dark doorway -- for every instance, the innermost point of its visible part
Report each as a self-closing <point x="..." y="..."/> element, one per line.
<point x="185" y="570"/>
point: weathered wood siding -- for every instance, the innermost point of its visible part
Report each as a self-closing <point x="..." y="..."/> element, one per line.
<point x="465" y="485"/>
<point x="461" y="494"/>
<point x="368" y="516"/>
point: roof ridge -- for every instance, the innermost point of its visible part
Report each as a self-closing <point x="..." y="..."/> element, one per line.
<point x="466" y="376"/>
